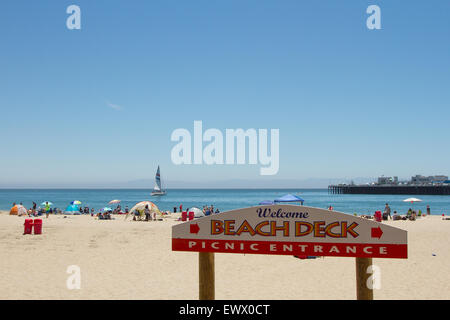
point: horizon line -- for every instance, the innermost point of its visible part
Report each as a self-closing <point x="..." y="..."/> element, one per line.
<point x="118" y="188"/>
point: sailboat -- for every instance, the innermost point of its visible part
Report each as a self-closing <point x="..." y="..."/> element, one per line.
<point x="157" y="190"/>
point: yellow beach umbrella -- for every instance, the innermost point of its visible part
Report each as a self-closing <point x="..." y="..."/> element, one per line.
<point x="140" y="207"/>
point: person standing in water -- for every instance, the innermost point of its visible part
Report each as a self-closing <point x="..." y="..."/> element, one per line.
<point x="387" y="212"/>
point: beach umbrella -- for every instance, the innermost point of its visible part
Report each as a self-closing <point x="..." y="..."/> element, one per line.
<point x="412" y="200"/>
<point x="76" y="202"/>
<point x="106" y="209"/>
<point x="18" y="210"/>
<point x="114" y="201"/>
<point x="22" y="211"/>
<point x="72" y="209"/>
<point x="45" y="203"/>
<point x="140" y="207"/>
<point x="197" y="212"/>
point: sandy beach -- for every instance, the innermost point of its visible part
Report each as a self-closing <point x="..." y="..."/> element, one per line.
<point x="123" y="259"/>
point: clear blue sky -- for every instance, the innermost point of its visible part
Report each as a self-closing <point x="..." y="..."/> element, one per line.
<point x="100" y="103"/>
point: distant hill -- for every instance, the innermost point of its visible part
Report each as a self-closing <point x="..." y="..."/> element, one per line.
<point x="260" y="183"/>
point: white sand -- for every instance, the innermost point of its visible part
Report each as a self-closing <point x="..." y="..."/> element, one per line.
<point x="133" y="260"/>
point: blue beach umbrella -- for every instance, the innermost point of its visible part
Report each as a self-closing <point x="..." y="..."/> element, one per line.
<point x="72" y="209"/>
<point x="106" y="209"/>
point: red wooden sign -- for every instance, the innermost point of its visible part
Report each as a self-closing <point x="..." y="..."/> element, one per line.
<point x="290" y="230"/>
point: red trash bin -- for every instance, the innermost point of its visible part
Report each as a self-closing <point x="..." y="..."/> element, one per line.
<point x="37" y="226"/>
<point x="184" y="216"/>
<point x="28" y="226"/>
<point x="191" y="215"/>
<point x="378" y="217"/>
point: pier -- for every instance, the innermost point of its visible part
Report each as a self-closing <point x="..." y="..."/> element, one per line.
<point x="390" y="189"/>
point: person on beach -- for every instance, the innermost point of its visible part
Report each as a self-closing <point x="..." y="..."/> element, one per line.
<point x="147" y="213"/>
<point x="387" y="212"/>
<point x="137" y="215"/>
<point x="409" y="214"/>
<point x="34" y="207"/>
<point x="396" y="216"/>
<point x="181" y="207"/>
<point x="428" y="210"/>
<point x="47" y="207"/>
<point x="217" y="211"/>
<point x="48" y="212"/>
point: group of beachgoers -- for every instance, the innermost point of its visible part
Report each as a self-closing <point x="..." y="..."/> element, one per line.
<point x="386" y="214"/>
<point x="140" y="215"/>
<point x="207" y="210"/>
<point x="149" y="215"/>
<point x="47" y="209"/>
<point x="106" y="215"/>
<point x="36" y="211"/>
<point x="210" y="210"/>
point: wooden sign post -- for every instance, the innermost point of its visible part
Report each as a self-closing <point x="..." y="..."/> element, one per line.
<point x="363" y="291"/>
<point x="206" y="276"/>
<point x="289" y="230"/>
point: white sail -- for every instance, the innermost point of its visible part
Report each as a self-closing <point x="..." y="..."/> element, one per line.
<point x="158" y="181"/>
<point x="157" y="190"/>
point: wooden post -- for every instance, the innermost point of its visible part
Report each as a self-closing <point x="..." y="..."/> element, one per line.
<point x="206" y="276"/>
<point x="363" y="292"/>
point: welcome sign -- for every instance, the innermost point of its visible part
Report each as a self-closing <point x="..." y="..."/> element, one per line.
<point x="290" y="230"/>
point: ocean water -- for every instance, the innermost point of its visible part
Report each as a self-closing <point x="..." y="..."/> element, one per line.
<point x="224" y="199"/>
